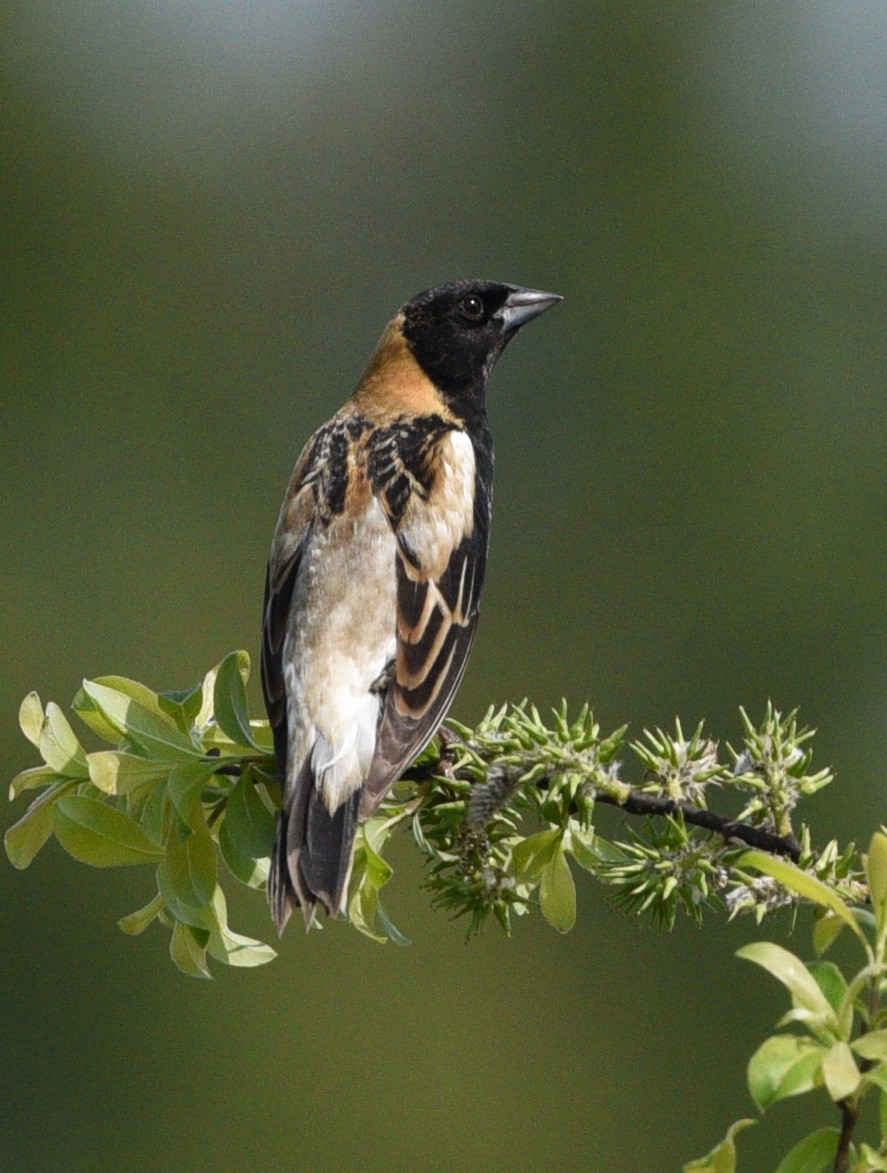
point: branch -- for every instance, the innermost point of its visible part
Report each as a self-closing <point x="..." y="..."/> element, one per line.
<point x="639" y="803"/>
<point x="849" y="1116"/>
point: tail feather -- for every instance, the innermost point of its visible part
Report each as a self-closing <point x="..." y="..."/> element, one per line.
<point x="281" y="893"/>
<point x="325" y="855"/>
<point x="311" y="861"/>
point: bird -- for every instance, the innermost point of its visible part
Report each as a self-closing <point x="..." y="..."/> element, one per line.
<point x="374" y="579"/>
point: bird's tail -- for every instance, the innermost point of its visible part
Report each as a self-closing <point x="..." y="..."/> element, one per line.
<point x="311" y="861"/>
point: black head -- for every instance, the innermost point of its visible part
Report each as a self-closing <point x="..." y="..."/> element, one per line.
<point x="457" y="331"/>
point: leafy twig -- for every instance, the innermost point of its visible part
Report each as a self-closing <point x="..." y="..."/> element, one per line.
<point x="502" y="813"/>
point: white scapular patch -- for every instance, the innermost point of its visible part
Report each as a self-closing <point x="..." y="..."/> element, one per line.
<point x="340" y="636"/>
<point x="434" y="528"/>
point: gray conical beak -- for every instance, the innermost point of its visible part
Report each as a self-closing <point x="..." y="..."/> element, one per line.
<point x="522" y="306"/>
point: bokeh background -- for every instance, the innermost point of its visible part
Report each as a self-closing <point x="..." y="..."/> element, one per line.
<point x="209" y="211"/>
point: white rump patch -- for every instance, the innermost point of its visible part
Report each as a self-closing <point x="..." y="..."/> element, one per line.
<point x="340" y="768"/>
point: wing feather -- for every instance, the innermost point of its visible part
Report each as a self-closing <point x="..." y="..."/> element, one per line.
<point x="293" y="526"/>
<point x="443" y="535"/>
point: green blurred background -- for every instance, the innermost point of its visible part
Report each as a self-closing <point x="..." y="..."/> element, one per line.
<point x="209" y="211"/>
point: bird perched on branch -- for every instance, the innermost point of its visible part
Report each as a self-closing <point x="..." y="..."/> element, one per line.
<point x="375" y="576"/>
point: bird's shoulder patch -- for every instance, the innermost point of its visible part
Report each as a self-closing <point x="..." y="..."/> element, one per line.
<point x="333" y="468"/>
<point x="403" y="461"/>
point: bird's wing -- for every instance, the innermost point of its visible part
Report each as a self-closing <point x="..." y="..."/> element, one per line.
<point x="297" y="515"/>
<point x="442" y="530"/>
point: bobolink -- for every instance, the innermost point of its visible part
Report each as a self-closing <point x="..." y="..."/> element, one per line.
<point x="375" y="576"/>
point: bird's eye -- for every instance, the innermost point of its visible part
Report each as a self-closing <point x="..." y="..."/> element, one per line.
<point x="471" y="308"/>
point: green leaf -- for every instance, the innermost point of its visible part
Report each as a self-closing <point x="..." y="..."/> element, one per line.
<point x="231" y="948"/>
<point x="793" y="974"/>
<point x="31" y="718"/>
<point x="784" y="1065"/>
<point x="136" y="922"/>
<point x="813" y="1154"/>
<point x="232" y="714"/>
<point x="590" y="850"/>
<point x="90" y="714"/>
<point x="376" y="832"/>
<point x="115" y="772"/>
<point x="722" y="1158"/>
<point x="25" y="838"/>
<point x="557" y="894"/>
<point x="213" y="739"/>
<point x="191" y="867"/>
<point x="98" y="834"/>
<point x="872" y="1046"/>
<point x="246" y="835"/>
<point x="61" y="750"/>
<point x="188" y="954"/>
<point x="200" y="853"/>
<point x="31" y="779"/>
<point x="869" y="1161"/>
<point x="370" y="872"/>
<point x="392" y="931"/>
<point x="876" y="871"/>
<point x="155" y="815"/>
<point x="830" y="980"/>
<point x="146" y="697"/>
<point x="187" y="781"/>
<point x="582" y="849"/>
<point x="839" y="1072"/>
<point x="155" y="733"/>
<point x="530" y="857"/>
<point x="877" y="1078"/>
<point x="185" y="788"/>
<point x="362" y="910"/>
<point x="377" y="869"/>
<point x="826" y="930"/>
<point x="802" y="882"/>
<point x="205" y="712"/>
<point x="262" y="734"/>
<point x="250" y="825"/>
<point x="252" y="872"/>
<point x="197" y="916"/>
<point x="182" y="705"/>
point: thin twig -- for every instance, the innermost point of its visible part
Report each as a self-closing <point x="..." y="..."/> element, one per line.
<point x="639" y="803"/>
<point x="849" y="1115"/>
